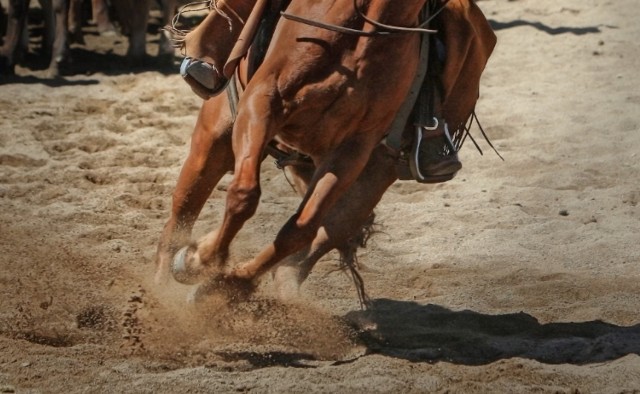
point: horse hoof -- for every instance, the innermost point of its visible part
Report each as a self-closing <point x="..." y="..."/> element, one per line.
<point x="186" y="267"/>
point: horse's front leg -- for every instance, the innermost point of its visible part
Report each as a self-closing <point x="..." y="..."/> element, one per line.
<point x="209" y="159"/>
<point x="249" y="138"/>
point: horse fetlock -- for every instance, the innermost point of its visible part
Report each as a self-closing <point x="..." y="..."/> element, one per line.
<point x="171" y="240"/>
<point x="163" y="268"/>
<point x="242" y="272"/>
<point x="210" y="251"/>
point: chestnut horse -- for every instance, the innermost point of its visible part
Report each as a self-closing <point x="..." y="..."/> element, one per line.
<point x="325" y="94"/>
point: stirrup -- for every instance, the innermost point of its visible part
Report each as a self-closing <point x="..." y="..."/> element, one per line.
<point x="433" y="158"/>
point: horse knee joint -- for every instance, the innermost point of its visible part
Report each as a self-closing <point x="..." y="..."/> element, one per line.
<point x="242" y="201"/>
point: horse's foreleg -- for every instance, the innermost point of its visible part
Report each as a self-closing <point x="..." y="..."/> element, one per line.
<point x="343" y="222"/>
<point x="249" y="138"/>
<point x="209" y="159"/>
<point x="337" y="172"/>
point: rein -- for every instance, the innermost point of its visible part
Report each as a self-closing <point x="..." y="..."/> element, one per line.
<point x="384" y="28"/>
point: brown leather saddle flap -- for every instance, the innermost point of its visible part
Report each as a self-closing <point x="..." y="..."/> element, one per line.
<point x="245" y="39"/>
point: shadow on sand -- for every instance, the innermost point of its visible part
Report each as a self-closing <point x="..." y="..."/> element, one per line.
<point x="497" y="25"/>
<point x="431" y="333"/>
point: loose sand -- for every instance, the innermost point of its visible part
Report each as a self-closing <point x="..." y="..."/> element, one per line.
<point x="517" y="276"/>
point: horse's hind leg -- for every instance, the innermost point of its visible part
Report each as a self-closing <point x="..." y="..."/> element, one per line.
<point x="209" y="159"/>
<point x="337" y="172"/>
<point x="343" y="223"/>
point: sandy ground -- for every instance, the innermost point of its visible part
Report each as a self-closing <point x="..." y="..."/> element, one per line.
<point x="517" y="276"/>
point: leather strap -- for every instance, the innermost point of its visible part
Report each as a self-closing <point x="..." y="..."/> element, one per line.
<point x="245" y="39"/>
<point x="394" y="136"/>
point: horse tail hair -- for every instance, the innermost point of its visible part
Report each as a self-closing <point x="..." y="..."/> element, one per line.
<point x="349" y="257"/>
